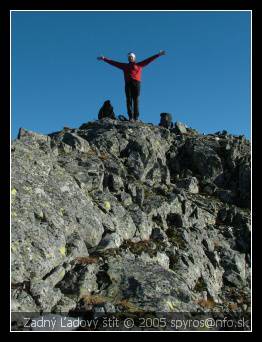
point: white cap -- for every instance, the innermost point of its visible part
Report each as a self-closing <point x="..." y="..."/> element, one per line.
<point x="131" y="54"/>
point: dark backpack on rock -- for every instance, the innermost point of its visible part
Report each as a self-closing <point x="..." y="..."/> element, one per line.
<point x="106" y="111"/>
<point x="166" y="120"/>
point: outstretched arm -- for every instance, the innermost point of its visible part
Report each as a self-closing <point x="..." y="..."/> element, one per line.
<point x="151" y="59"/>
<point x="114" y="63"/>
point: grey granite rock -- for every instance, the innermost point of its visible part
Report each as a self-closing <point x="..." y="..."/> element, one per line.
<point x="115" y="216"/>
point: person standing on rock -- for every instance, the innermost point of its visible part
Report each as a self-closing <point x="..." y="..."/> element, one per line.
<point x="132" y="73"/>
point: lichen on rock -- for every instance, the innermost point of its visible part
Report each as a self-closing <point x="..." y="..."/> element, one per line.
<point x="159" y="218"/>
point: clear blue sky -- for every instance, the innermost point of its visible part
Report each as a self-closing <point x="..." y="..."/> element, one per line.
<point x="204" y="79"/>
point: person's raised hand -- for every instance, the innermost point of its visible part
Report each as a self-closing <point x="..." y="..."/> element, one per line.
<point x="162" y="53"/>
<point x="100" y="58"/>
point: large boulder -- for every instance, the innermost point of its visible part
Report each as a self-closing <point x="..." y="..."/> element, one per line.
<point x="202" y="159"/>
<point x="147" y="285"/>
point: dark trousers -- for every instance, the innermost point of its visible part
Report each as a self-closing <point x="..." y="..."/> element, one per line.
<point x="132" y="89"/>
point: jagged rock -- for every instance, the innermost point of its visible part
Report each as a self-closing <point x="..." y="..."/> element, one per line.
<point x="143" y="225"/>
<point x="22" y="301"/>
<point x="235" y="267"/>
<point x="209" y="187"/>
<point x="34" y="253"/>
<point x="192" y="131"/>
<point x="75" y="246"/>
<point x="45" y="294"/>
<point x="88" y="172"/>
<point x="147" y="285"/>
<point x="244" y="184"/>
<point x="189" y="184"/>
<point x="140" y="195"/>
<point x="160" y="258"/>
<point x="180" y="128"/>
<point x="118" y="219"/>
<point x="159" y="235"/>
<point x="88" y="281"/>
<point x="114" y="182"/>
<point x="131" y="213"/>
<point x="56" y="276"/>
<point x="26" y="135"/>
<point x="64" y="305"/>
<point x="123" y="222"/>
<point x="202" y="159"/>
<point x="125" y="199"/>
<point x="76" y="142"/>
<point x="110" y="241"/>
<point x="80" y="280"/>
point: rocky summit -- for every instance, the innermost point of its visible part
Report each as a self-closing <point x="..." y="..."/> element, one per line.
<point x="121" y="217"/>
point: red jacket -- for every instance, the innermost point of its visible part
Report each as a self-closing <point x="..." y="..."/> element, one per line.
<point x="132" y="70"/>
